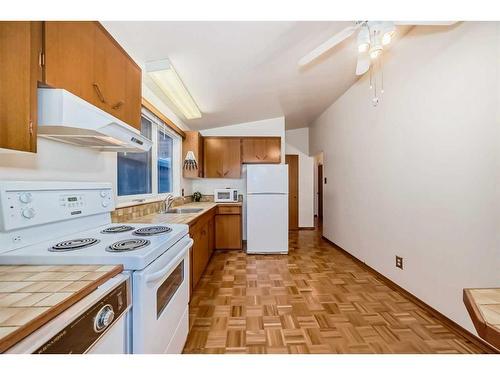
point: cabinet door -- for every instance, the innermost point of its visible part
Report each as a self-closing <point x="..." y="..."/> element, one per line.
<point x="232" y="158"/>
<point x="193" y="142"/>
<point x="211" y="236"/>
<point x="69" y="55"/>
<point x="133" y="95"/>
<point x="273" y="150"/>
<point x="20" y="71"/>
<point x="110" y="67"/>
<point x="261" y="150"/>
<point x="200" y="252"/>
<point x="213" y="157"/>
<point x="228" y="231"/>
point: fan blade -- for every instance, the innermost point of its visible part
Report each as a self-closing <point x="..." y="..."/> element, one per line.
<point x="425" y="23"/>
<point x="329" y="44"/>
<point x="363" y="64"/>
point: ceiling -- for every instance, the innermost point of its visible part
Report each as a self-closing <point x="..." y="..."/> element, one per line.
<point x="246" y="71"/>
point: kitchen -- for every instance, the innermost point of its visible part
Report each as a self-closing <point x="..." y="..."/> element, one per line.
<point x="156" y="198"/>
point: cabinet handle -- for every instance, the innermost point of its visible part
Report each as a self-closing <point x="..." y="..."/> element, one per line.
<point x="118" y="105"/>
<point x="226" y="172"/>
<point x="219" y="173"/>
<point x="258" y="157"/>
<point x="265" y="157"/>
<point x="99" y="93"/>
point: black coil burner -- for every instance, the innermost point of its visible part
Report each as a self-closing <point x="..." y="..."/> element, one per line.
<point x="71" y="245"/>
<point x="118" y="229"/>
<point x="127" y="245"/>
<point x="151" y="231"/>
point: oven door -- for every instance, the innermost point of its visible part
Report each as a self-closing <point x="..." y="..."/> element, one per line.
<point x="160" y="299"/>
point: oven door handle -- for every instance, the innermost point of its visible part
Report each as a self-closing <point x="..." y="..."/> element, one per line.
<point x="161" y="273"/>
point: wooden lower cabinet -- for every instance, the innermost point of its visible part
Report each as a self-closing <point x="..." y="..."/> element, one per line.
<point x="219" y="228"/>
<point x="228" y="231"/>
<point x="202" y="233"/>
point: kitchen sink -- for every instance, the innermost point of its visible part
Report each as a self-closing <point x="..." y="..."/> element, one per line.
<point x="184" y="210"/>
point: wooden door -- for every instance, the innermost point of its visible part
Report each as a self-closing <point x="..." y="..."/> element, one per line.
<point x="69" y="56"/>
<point x="232" y="158"/>
<point x="228" y="231"/>
<point x="320" y="191"/>
<point x="20" y="71"/>
<point x="213" y="157"/>
<point x="293" y="191"/>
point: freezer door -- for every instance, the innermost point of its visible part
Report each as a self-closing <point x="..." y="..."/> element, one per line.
<point x="267" y="179"/>
<point x="267" y="223"/>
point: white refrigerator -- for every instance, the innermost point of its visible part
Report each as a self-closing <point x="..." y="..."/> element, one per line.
<point x="267" y="209"/>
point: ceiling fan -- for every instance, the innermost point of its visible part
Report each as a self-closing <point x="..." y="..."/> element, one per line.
<point x="371" y="39"/>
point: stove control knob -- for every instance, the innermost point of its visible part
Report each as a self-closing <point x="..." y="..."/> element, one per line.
<point x="28" y="213"/>
<point x="104" y="318"/>
<point x="104" y="203"/>
<point x="25" y="197"/>
<point x="104" y="193"/>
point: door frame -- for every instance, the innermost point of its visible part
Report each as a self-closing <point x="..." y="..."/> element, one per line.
<point x="320" y="191"/>
<point x="293" y="223"/>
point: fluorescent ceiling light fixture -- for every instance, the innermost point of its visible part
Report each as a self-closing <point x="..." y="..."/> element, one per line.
<point x="164" y="75"/>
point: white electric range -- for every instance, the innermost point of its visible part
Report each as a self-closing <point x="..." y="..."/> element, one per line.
<point x="70" y="223"/>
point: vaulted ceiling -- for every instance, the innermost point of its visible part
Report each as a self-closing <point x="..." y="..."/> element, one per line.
<point x="246" y="71"/>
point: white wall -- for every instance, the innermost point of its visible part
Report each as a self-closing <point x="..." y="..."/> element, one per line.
<point x="268" y="127"/>
<point x="418" y="175"/>
<point x="297" y="143"/>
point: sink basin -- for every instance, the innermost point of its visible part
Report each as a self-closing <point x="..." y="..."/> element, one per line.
<point x="184" y="210"/>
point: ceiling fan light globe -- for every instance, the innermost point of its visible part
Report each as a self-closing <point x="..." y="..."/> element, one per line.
<point x="387" y="38"/>
<point x="363" y="47"/>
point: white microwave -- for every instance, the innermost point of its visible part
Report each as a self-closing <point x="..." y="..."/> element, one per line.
<point x="226" y="195"/>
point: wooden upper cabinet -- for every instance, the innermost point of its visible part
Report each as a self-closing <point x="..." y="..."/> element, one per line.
<point x="20" y="71"/>
<point x="222" y="157"/>
<point x="193" y="142"/>
<point x="69" y="56"/>
<point x="84" y="59"/>
<point x="263" y="150"/>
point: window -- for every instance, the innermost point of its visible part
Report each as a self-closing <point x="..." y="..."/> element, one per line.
<point x="147" y="174"/>
<point x="134" y="168"/>
<point x="165" y="175"/>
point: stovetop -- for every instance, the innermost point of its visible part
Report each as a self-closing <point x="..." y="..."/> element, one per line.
<point x="133" y="245"/>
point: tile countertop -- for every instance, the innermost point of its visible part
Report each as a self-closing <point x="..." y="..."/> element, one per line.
<point x="181" y="218"/>
<point x="483" y="305"/>
<point x="30" y="296"/>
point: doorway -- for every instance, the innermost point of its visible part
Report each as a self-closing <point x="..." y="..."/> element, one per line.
<point x="293" y="191"/>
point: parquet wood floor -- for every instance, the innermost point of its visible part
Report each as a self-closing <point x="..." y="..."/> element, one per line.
<point x="314" y="300"/>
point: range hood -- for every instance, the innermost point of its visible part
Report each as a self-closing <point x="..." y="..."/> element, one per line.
<point x="65" y="117"/>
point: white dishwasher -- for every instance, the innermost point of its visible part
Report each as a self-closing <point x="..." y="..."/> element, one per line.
<point x="99" y="323"/>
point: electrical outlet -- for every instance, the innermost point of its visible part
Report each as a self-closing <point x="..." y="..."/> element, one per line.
<point x="325" y="181"/>
<point x="399" y="262"/>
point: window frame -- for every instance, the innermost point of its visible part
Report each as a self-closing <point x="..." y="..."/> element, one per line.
<point x="157" y="125"/>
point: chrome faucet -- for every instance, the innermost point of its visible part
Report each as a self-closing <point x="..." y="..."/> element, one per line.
<point x="167" y="202"/>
